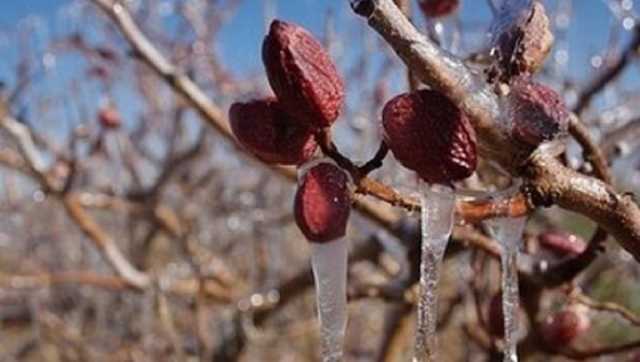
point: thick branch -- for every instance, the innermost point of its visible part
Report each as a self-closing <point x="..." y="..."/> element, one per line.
<point x="552" y="183"/>
<point x="445" y="73"/>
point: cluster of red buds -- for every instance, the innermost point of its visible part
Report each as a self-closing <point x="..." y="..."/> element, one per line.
<point x="309" y="95"/>
<point x="521" y="42"/>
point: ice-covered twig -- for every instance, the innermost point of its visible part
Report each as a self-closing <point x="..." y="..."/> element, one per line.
<point x="321" y="209"/>
<point x="547" y="181"/>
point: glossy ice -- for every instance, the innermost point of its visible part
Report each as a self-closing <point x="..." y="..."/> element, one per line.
<point x="508" y="232"/>
<point x="438" y="204"/>
<point x="329" y="263"/>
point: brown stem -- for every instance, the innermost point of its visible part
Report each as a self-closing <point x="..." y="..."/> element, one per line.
<point x="549" y="182"/>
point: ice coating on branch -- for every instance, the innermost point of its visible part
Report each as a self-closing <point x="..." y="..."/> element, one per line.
<point x="508" y="232"/>
<point x="438" y="205"/>
<point x="329" y="264"/>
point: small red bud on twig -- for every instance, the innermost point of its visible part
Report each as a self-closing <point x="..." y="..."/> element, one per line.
<point x="302" y="75"/>
<point x="323" y="203"/>
<point x="538" y="113"/>
<point x="270" y="134"/>
<point x="430" y="135"/>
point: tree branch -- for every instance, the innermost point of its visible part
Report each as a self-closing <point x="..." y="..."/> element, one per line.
<point x="549" y="181"/>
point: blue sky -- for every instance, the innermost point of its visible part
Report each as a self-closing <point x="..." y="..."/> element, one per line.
<point x="243" y="35"/>
<point x="241" y="38"/>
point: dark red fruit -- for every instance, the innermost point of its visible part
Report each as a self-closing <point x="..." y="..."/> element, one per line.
<point x="560" y="329"/>
<point x="270" y="134"/>
<point x="437" y="8"/>
<point x="109" y="117"/>
<point x="430" y="135"/>
<point x="322" y="203"/>
<point x="562" y="243"/>
<point x="538" y="113"/>
<point x="302" y="74"/>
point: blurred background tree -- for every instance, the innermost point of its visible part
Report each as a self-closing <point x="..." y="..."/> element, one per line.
<point x="134" y="228"/>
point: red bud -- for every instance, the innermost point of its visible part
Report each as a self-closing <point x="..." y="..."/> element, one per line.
<point x="430" y="135"/>
<point x="302" y="74"/>
<point x="522" y="39"/>
<point x="538" y="112"/>
<point x="560" y="329"/>
<point x="323" y="203"/>
<point x="266" y="131"/>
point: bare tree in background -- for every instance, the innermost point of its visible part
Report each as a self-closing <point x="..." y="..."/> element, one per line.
<point x="134" y="228"/>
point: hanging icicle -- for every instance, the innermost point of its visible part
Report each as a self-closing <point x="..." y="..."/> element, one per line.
<point x="430" y="135"/>
<point x="438" y="205"/>
<point x="329" y="263"/>
<point x="322" y="206"/>
<point x="508" y="231"/>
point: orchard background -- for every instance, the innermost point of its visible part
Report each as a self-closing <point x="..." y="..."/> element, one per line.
<point x="134" y="228"/>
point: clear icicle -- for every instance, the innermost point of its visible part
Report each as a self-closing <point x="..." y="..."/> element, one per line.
<point x="508" y="231"/>
<point x="329" y="263"/>
<point x="438" y="204"/>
